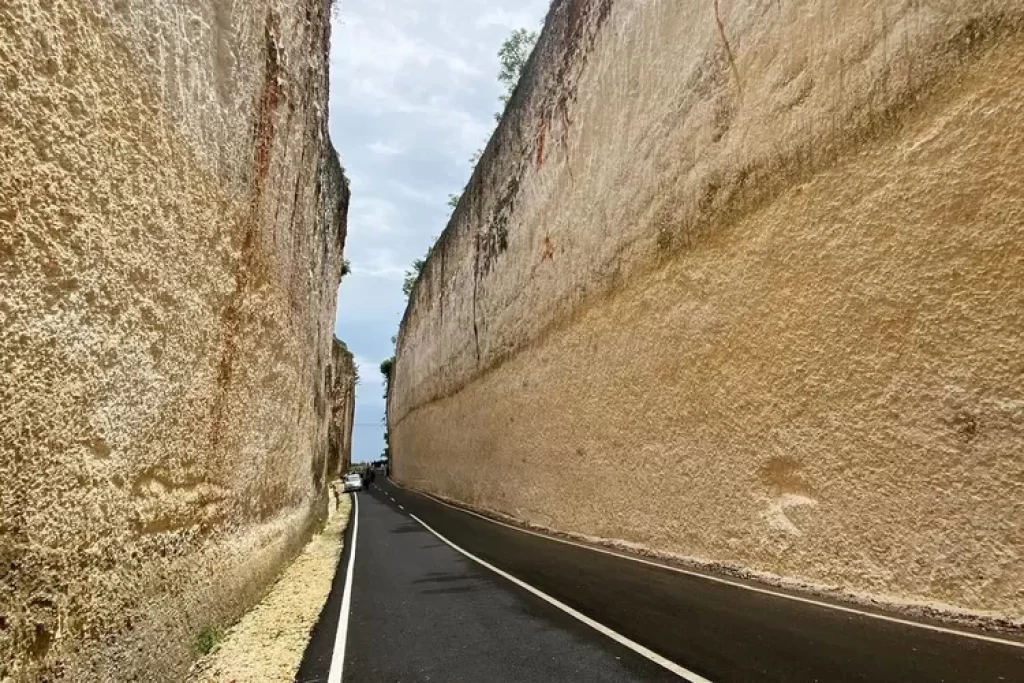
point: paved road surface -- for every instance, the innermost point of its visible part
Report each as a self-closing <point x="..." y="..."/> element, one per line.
<point x="422" y="611"/>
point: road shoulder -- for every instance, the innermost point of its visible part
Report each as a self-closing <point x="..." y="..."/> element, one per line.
<point x="268" y="642"/>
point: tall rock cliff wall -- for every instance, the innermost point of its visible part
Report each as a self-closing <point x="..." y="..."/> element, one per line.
<point x="742" y="281"/>
<point x="172" y="217"/>
<point x="343" y="410"/>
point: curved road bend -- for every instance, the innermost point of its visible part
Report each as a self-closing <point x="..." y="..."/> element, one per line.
<point x="421" y="610"/>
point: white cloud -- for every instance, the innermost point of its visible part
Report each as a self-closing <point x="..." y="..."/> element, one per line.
<point x="385" y="148"/>
<point x="509" y="19"/>
<point x="429" y="195"/>
<point x="379" y="52"/>
<point x="373" y="213"/>
<point x="371" y="381"/>
<point x="381" y="263"/>
<point x="420" y="66"/>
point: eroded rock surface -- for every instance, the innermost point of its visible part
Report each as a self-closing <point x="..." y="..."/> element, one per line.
<point x="172" y="217"/>
<point x="762" y="261"/>
<point x="343" y="409"/>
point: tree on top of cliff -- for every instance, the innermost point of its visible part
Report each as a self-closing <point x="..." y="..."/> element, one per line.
<point x="512" y="56"/>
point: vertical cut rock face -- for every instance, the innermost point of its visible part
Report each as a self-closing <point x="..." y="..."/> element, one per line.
<point x="172" y="217"/>
<point x="343" y="407"/>
<point x="744" y="282"/>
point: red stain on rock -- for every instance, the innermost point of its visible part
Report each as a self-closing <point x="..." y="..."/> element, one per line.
<point x="266" y="117"/>
<point x="264" y="129"/>
<point x="548" y="252"/>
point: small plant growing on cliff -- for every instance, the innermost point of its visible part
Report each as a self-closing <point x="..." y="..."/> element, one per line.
<point x="386" y="366"/>
<point x="208" y="639"/>
<point x="412" y="275"/>
<point x="346" y="267"/>
<point x="417" y="267"/>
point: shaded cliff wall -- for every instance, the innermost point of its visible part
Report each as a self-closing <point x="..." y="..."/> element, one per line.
<point x="171" y="226"/>
<point x="343" y="409"/>
<point x="763" y="259"/>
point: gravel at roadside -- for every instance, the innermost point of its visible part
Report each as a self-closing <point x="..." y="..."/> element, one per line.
<point x="266" y="645"/>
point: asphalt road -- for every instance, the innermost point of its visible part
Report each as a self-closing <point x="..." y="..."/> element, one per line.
<point x="423" y="611"/>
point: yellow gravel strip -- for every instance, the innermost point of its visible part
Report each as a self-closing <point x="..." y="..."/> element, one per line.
<point x="266" y="645"/>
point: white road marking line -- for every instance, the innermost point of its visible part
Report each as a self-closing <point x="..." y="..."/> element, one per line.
<point x="737" y="584"/>
<point x="341" y="637"/>
<point x="400" y="506"/>
<point x="686" y="674"/>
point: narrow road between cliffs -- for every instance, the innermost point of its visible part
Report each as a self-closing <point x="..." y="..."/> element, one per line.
<point x="428" y="592"/>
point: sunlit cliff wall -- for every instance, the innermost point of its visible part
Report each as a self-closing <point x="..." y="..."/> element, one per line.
<point x="171" y="225"/>
<point x="744" y="282"/>
<point x="343" y="410"/>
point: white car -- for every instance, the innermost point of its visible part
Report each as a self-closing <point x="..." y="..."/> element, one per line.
<point x="353" y="482"/>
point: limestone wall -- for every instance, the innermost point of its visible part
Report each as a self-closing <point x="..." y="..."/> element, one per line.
<point x="171" y="226"/>
<point x="744" y="282"/>
<point x="343" y="410"/>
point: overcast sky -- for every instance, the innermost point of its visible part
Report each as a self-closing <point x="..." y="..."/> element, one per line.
<point x="414" y="89"/>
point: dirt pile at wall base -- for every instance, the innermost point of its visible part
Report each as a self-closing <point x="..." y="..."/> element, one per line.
<point x="172" y="217"/>
<point x="744" y="284"/>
